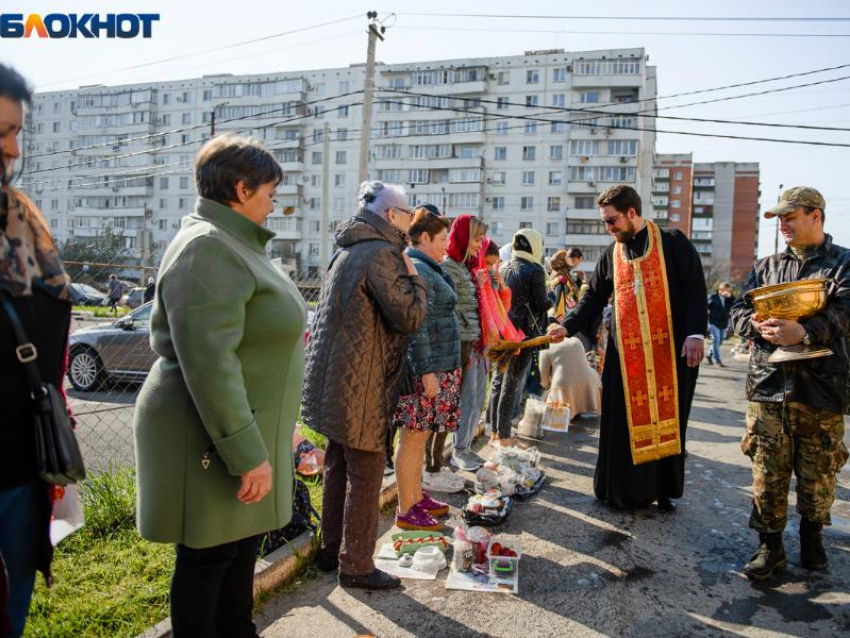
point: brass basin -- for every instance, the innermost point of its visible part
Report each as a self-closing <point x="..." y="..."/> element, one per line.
<point x="795" y="300"/>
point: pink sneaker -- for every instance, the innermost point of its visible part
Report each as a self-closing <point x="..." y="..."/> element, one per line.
<point x="417" y="519"/>
<point x="433" y="507"/>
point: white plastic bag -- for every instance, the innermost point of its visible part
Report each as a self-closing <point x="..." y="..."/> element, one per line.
<point x="531" y="424"/>
<point x="67" y="515"/>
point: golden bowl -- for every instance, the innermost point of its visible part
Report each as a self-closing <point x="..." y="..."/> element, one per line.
<point x="795" y="300"/>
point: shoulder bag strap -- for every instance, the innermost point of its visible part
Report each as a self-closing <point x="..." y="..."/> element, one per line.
<point x="26" y="350"/>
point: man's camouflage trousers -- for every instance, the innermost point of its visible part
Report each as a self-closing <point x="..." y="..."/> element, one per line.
<point x="782" y="437"/>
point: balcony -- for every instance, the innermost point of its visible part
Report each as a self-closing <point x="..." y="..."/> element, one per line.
<point x="292" y="167"/>
<point x="290" y="189"/>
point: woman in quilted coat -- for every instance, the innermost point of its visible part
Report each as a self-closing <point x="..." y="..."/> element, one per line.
<point x="371" y="301"/>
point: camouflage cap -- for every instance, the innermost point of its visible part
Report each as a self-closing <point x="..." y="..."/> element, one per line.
<point x="795" y="197"/>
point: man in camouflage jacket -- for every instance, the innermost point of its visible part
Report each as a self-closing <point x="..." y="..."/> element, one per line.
<point x="795" y="415"/>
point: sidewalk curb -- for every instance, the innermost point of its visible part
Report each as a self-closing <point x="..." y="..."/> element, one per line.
<point x="284" y="564"/>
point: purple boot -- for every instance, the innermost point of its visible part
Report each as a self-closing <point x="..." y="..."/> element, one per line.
<point x="433" y="507"/>
<point x="417" y="519"/>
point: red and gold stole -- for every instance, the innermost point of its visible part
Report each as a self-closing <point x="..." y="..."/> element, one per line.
<point x="647" y="350"/>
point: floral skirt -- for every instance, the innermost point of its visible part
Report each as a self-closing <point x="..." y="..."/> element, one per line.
<point x="440" y="414"/>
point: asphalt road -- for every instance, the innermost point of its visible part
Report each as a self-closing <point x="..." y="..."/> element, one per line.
<point x="592" y="571"/>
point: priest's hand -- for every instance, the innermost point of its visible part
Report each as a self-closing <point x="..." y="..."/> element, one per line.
<point x="557" y="332"/>
<point x="782" y="332"/>
<point x="693" y="351"/>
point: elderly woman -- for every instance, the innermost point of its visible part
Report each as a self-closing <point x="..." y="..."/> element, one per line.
<point x="34" y="285"/>
<point x="371" y="301"/>
<point x="434" y="407"/>
<point x="214" y="419"/>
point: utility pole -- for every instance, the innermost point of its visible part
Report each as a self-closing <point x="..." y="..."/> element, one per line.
<point x="776" y="235"/>
<point x="326" y="178"/>
<point x="212" y="123"/>
<point x="375" y="32"/>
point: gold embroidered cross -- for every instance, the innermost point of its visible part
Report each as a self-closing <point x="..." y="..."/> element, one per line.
<point x="666" y="393"/>
<point x="632" y="342"/>
<point x="652" y="278"/>
<point x="660" y="336"/>
<point x="640" y="397"/>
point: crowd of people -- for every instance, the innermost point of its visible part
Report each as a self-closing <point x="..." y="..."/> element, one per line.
<point x="395" y="363"/>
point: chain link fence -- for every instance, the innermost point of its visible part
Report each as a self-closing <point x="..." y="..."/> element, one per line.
<point x="109" y="352"/>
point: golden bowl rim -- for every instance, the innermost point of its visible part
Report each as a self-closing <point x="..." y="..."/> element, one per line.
<point x="775" y="290"/>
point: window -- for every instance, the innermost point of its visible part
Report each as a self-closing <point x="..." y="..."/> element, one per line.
<point x="464" y="175"/>
<point x="559" y="127"/>
<point x="388" y="151"/>
<point x="528" y="178"/>
<point x="315" y="203"/>
<point x="585" y="202"/>
<point x="319" y="88"/>
<point x="57" y="127"/>
<point x="526" y="203"/>
<point x="498" y="204"/>
<point x="419" y="176"/>
<point x="559" y="99"/>
<point x="314" y="249"/>
<point x="553" y="228"/>
<point x="585" y="227"/>
<point x="559" y="75"/>
<point x="584" y="147"/>
<point x="530" y="128"/>
<point x="184" y="183"/>
<point x="677" y="190"/>
<point x="467" y="152"/>
<point x="166" y="98"/>
<point x="499" y="178"/>
<point x="532" y="76"/>
<point x="523" y="225"/>
<point x="588" y="97"/>
<point x="553" y="204"/>
<point x="184" y="139"/>
<point x="500" y="153"/>
<point x="181" y="203"/>
<point x="207" y="95"/>
<point x="556" y="152"/>
<point x="504" y="77"/>
<point x="314" y="226"/>
<point x="162" y="203"/>
<point x="166" y="119"/>
<point x="627" y="148"/>
<point x="677" y="175"/>
<point x="502" y="103"/>
<point x="344" y="86"/>
<point x="319" y="111"/>
<point x="675" y="203"/>
<point x="163" y="183"/>
<point x="501" y="127"/>
<point x="529" y="153"/>
<point x="186" y="119"/>
<point x="342" y="111"/>
<point x="496" y="228"/>
<point x="342" y="134"/>
<point x="390" y="175"/>
<point x="317" y="158"/>
<point x="675" y="217"/>
<point x="318" y="135"/>
<point x="339" y="180"/>
<point x="163" y="224"/>
<point x="342" y="157"/>
<point x="532" y="100"/>
<point x="555" y="178"/>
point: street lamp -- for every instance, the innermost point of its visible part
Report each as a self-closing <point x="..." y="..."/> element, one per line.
<point x="212" y="117"/>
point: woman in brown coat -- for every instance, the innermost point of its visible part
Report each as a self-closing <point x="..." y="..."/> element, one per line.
<point x="371" y="300"/>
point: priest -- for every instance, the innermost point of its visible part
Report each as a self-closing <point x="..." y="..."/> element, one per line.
<point x="654" y="349"/>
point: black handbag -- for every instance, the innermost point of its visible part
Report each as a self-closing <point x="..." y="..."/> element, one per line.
<point x="57" y="451"/>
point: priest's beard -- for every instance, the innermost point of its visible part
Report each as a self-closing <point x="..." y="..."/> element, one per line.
<point x="625" y="236"/>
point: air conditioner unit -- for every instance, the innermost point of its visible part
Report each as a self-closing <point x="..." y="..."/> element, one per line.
<point x="624" y="159"/>
<point x="608" y="131"/>
<point x="488" y="199"/>
<point x="592" y="184"/>
<point x="179" y="98"/>
<point x="593" y="131"/>
<point x="585" y="159"/>
<point x="305" y="178"/>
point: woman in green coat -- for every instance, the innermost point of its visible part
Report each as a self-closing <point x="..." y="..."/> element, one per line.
<point x="214" y="419"/>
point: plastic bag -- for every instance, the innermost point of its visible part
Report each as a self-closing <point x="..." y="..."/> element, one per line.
<point x="557" y="412"/>
<point x="67" y="516"/>
<point x="531" y="424"/>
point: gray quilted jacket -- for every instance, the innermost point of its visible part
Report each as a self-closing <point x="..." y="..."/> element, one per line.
<point x="358" y="341"/>
<point x="436" y="345"/>
<point x="467" y="301"/>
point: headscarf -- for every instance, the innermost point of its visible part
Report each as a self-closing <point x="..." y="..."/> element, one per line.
<point x="535" y="240"/>
<point x="28" y="255"/>
<point x="558" y="263"/>
<point x="458" y="242"/>
<point x="493" y="315"/>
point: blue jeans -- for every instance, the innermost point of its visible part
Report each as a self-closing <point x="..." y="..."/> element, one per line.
<point x="22" y="512"/>
<point x="473" y="386"/>
<point x="717" y="337"/>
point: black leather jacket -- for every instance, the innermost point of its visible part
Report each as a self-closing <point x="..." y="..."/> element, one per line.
<point x="822" y="382"/>
<point x="529" y="299"/>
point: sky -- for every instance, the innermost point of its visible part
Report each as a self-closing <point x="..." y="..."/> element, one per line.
<point x="690" y="54"/>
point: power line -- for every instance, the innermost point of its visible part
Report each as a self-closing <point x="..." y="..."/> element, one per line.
<point x="221" y="48"/>
<point x="631" y="18"/>
<point x="203" y="125"/>
<point x="653" y="33"/>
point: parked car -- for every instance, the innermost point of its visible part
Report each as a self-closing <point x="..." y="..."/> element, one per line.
<point x="134" y="298"/>
<point x="118" y="350"/>
<point x="85" y="295"/>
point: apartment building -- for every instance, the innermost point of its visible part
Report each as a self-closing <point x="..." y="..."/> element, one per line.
<point x="522" y="141"/>
<point x="672" y="191"/>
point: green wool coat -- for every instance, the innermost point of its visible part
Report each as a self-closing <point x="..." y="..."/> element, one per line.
<point x="224" y="394"/>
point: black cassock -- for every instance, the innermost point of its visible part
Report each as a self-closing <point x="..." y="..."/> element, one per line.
<point x="617" y="481"/>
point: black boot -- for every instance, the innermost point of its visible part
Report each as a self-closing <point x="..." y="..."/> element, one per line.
<point x="769" y="557"/>
<point x="327" y="561"/>
<point x="812" y="553"/>
<point x="376" y="580"/>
